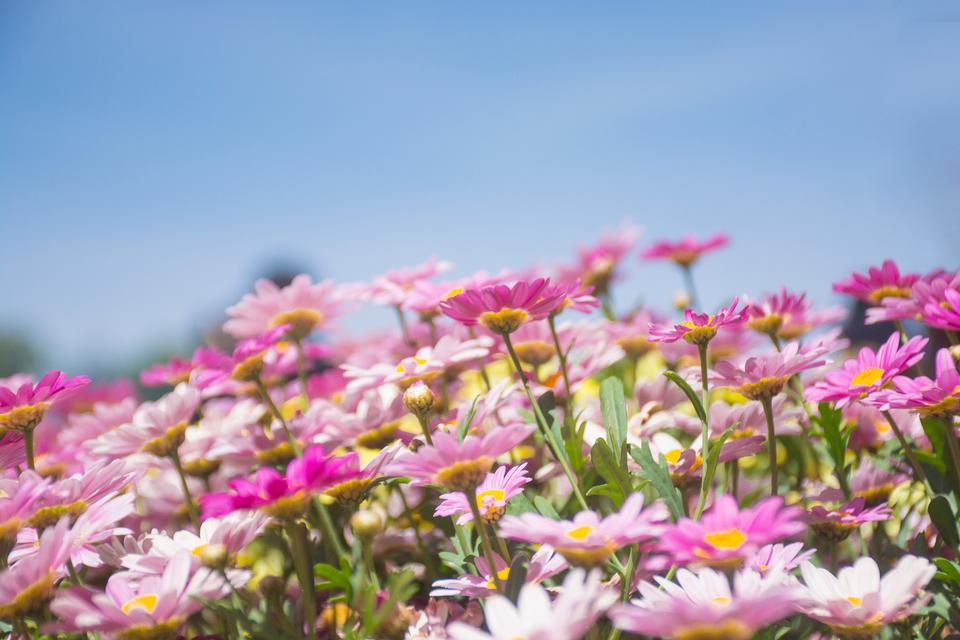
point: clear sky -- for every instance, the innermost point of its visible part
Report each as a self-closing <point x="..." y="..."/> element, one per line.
<point x="155" y="156"/>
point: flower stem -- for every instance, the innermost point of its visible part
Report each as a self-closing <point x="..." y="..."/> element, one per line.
<point x="767" y="404"/>
<point x="404" y="330"/>
<point x="567" y="400"/>
<point x="328" y="530"/>
<point x="302" y="374"/>
<point x="542" y="422"/>
<point x="421" y="545"/>
<point x="484" y="538"/>
<point x="425" y="428"/>
<point x="917" y="469"/>
<point x="191" y="506"/>
<point x="705" y="431"/>
<point x="301" y="560"/>
<point x="691" y="288"/>
<point x="265" y="394"/>
<point x="28" y="445"/>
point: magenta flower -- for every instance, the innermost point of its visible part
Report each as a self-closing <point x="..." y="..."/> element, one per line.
<point x="839" y="523"/>
<point x="869" y="372"/>
<point x="939" y="397"/>
<point x="283" y="496"/>
<point x="930" y="291"/>
<point x="503" y="309"/>
<point x="726" y="534"/>
<point x="765" y="376"/>
<point x="698" y="328"/>
<point x="492" y="495"/>
<point x="26" y="585"/>
<point x="458" y="465"/>
<point x="135" y="605"/>
<point x="303" y="305"/>
<point x="23" y="408"/>
<point x="857" y="603"/>
<point x="589" y="540"/>
<point x="685" y="251"/>
<point x="878" y="283"/>
<point x="702" y="605"/>
<point x="544" y="564"/>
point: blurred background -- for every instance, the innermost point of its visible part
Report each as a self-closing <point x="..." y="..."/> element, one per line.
<point x="155" y="158"/>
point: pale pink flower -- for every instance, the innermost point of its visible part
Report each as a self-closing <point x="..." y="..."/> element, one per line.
<point x="765" y="376"/>
<point x="157" y="427"/>
<point x="938" y="397"/>
<point x="27" y="584"/>
<point x="492" y="495"/>
<point x="303" y="305"/>
<point x="544" y="564"/>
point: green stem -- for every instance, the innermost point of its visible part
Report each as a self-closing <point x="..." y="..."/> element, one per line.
<point x="301" y="560"/>
<point x="567" y="400"/>
<point x="691" y="288"/>
<point x="484" y="538"/>
<point x="191" y="506"/>
<point x="74" y="576"/>
<point x="501" y="545"/>
<point x="421" y="545"/>
<point x="28" y="445"/>
<point x="302" y="374"/>
<point x="908" y="451"/>
<point x="425" y="428"/>
<point x="705" y="431"/>
<point x="328" y="530"/>
<point x="542" y="423"/>
<point x="767" y="404"/>
<point x="265" y="394"/>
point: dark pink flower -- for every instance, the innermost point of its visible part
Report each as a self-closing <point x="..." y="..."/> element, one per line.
<point x="699" y="328"/>
<point x="938" y="397"/>
<point x="503" y="309"/>
<point x="23" y="408"/>
<point x="878" y="283"/>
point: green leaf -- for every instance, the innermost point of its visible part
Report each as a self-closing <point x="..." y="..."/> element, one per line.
<point x="464" y="425"/>
<point x="713" y="457"/>
<point x="518" y="504"/>
<point x="690" y="393"/>
<point x="608" y="491"/>
<point x="614" y="408"/>
<point x="609" y="469"/>
<point x="945" y="520"/>
<point x="545" y="508"/>
<point x="657" y="474"/>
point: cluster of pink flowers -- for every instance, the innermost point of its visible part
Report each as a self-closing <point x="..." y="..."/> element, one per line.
<point x="517" y="458"/>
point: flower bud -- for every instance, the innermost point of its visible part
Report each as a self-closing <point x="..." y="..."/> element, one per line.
<point x="214" y="556"/>
<point x="366" y="523"/>
<point x="419" y="399"/>
<point x="272" y="586"/>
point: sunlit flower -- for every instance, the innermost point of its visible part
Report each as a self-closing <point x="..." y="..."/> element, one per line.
<point x="939" y="397"/>
<point x="868" y="372"/>
<point x="588" y="539"/>
<point x="492" y="495"/>
<point x="685" y="251"/>
<point x="503" y="309"/>
<point x="582" y="600"/>
<point x="27" y="585"/>
<point x="22" y="408"/>
<point x="702" y="606"/>
<point x="458" y="465"/>
<point x="543" y="564"/>
<point x="725" y="535"/>
<point x="360" y="480"/>
<point x="857" y="602"/>
<point x="878" y="283"/>
<point x="157" y="427"/>
<point x="303" y="305"/>
<point x="762" y="377"/>
<point x="698" y="328"/>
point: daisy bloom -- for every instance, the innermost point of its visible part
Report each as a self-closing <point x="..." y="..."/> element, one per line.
<point x="838" y="524"/>
<point x="393" y="287"/>
<point x="762" y="377"/>
<point x="303" y="305"/>
<point x="22" y="408"/>
<point x="702" y="605"/>
<point x="502" y="309"/>
<point x="589" y="540"/>
<point x="358" y="480"/>
<point x="458" y="465"/>
<point x="939" y="397"/>
<point x="18" y="502"/>
<point x="283" y="496"/>
<point x="597" y="264"/>
<point x="492" y="495"/>
<point x="583" y="599"/>
<point x="726" y="534"/>
<point x="699" y="328"/>
<point x="788" y="315"/>
<point x="28" y="584"/>
<point x="140" y="607"/>
<point x="857" y="603"/>
<point x="544" y="564"/>
<point x="878" y="283"/>
<point x="685" y="251"/>
<point x="157" y="427"/>
<point x="779" y="557"/>
<point x="869" y="372"/>
<point x="943" y="312"/>
<point x="873" y="484"/>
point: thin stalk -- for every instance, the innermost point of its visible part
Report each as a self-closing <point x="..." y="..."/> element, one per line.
<point x="191" y="506"/>
<point x="425" y="428"/>
<point x="464" y="545"/>
<point x="501" y="545"/>
<point x="265" y="394"/>
<point x="705" y="431"/>
<point x="301" y="560"/>
<point x="302" y="375"/>
<point x="953" y="443"/>
<point x="542" y="422"/>
<point x="28" y="444"/>
<point x="691" y="288"/>
<point x="767" y="404"/>
<point x="404" y="330"/>
<point x="484" y="538"/>
<point x="328" y="530"/>
<point x="74" y="576"/>
<point x="567" y="400"/>
<point x="421" y="545"/>
<point x="914" y="463"/>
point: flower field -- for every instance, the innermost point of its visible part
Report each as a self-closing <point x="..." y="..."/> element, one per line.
<point x="516" y="458"/>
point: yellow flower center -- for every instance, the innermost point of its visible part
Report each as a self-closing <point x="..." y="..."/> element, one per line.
<point x="854" y="600"/>
<point x="722" y="600"/>
<point x="146" y="602"/>
<point x="867" y="377"/>
<point x="673" y="456"/>
<point x="197" y="550"/>
<point x="504" y="321"/>
<point x="301" y="321"/>
<point x="580" y="533"/>
<point x="502" y="575"/>
<point x="496" y="494"/>
<point x="453" y="292"/>
<point x="729" y="540"/>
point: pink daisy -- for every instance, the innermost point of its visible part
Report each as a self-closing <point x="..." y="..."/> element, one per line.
<point x="26" y="585"/>
<point x="303" y="305"/>
<point x="685" y="251"/>
<point x="157" y="427"/>
<point x="492" y="495"/>
<point x="779" y="557"/>
<point x="878" y="283"/>
<point x="589" y="540"/>
<point x="726" y="534"/>
<point x="761" y="377"/>
<point x="22" y="408"/>
<point x="544" y="564"/>
<point x="699" y="328"/>
<point x="839" y="523"/>
<point x="929" y="397"/>
<point x="868" y="372"/>
<point x="503" y="309"/>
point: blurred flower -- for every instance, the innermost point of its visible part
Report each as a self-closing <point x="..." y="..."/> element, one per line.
<point x="26" y="585"/>
<point x="779" y="557"/>
<point x="939" y="397"/>
<point x="303" y="305"/>
<point x="543" y="564"/>
<point x="157" y="427"/>
<point x="22" y="408"/>
<point x="839" y="523"/>
<point x="685" y="251"/>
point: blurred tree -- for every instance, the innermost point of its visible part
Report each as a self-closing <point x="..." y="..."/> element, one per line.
<point x="17" y="353"/>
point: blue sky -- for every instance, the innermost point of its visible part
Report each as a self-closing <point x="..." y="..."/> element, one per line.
<point x="155" y="156"/>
